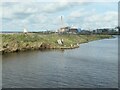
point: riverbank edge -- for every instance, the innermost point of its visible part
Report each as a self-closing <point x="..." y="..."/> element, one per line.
<point x="46" y="46"/>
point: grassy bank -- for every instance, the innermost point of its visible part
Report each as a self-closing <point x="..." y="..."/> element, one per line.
<point x="22" y="42"/>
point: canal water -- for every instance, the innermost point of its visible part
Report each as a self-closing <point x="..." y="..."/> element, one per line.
<point x="92" y="65"/>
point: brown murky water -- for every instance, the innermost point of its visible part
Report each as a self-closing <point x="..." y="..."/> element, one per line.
<point x="93" y="65"/>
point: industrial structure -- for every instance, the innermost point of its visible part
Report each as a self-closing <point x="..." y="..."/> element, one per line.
<point x="68" y="29"/>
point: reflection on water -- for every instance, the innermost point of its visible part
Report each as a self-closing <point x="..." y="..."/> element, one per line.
<point x="94" y="64"/>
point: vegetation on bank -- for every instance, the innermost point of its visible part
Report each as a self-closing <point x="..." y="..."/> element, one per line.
<point x="32" y="41"/>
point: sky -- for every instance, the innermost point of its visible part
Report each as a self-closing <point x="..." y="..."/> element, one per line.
<point x="42" y="16"/>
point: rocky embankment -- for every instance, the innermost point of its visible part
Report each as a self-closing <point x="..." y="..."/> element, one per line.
<point x="23" y="42"/>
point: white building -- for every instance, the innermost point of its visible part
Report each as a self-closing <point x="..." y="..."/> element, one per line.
<point x="25" y="30"/>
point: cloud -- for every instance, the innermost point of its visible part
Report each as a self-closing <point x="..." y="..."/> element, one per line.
<point x="82" y="12"/>
<point x="60" y="1"/>
<point x="45" y="15"/>
<point x="21" y="10"/>
<point x="107" y="19"/>
<point x="77" y="17"/>
<point x="104" y="17"/>
<point x="93" y="19"/>
<point x="33" y="12"/>
<point x="77" y="13"/>
<point x="17" y="10"/>
<point x="59" y="6"/>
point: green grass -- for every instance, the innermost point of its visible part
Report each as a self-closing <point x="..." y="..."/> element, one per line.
<point x="13" y="42"/>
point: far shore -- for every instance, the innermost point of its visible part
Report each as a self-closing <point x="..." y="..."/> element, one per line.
<point x="33" y="41"/>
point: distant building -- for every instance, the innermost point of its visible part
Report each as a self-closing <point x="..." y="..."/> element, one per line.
<point x="67" y="29"/>
<point x="25" y="30"/>
<point x="64" y="29"/>
<point x="74" y="30"/>
<point x="106" y="31"/>
<point x="85" y="32"/>
<point x="99" y="31"/>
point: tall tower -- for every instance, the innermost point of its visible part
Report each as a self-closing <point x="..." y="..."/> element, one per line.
<point x="62" y="23"/>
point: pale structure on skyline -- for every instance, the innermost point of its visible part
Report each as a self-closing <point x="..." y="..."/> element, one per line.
<point x="25" y="30"/>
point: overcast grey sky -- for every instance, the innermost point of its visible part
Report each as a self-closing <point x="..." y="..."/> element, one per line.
<point x="37" y="16"/>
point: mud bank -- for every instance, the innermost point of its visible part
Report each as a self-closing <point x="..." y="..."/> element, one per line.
<point x="23" y="42"/>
